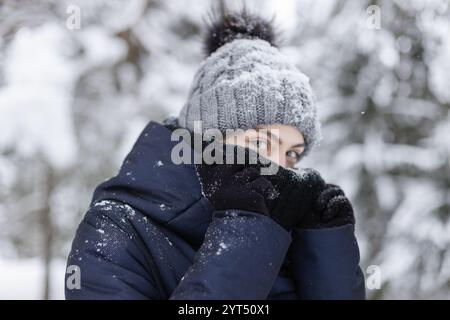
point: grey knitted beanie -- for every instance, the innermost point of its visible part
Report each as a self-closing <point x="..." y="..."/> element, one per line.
<point x="246" y="81"/>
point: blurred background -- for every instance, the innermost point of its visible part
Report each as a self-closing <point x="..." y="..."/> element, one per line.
<point x="80" y="79"/>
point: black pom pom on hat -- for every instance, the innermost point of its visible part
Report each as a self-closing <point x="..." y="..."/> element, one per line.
<point x="242" y="24"/>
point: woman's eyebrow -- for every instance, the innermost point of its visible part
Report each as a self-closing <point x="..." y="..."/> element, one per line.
<point x="298" y="145"/>
<point x="269" y="133"/>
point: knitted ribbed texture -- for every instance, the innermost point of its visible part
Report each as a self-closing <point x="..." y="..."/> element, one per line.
<point x="249" y="82"/>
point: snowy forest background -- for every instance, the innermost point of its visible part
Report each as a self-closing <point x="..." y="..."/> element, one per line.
<point x="72" y="102"/>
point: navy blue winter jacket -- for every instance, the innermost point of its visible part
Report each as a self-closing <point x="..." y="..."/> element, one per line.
<point x="150" y="234"/>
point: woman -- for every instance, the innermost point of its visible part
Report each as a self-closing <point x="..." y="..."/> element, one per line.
<point x="165" y="230"/>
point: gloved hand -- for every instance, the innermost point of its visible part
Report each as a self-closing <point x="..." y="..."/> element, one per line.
<point x="298" y="191"/>
<point x="307" y="202"/>
<point x="292" y="198"/>
<point x="236" y="186"/>
<point x="334" y="208"/>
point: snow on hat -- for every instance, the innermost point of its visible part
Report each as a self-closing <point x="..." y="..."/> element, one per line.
<point x="246" y="81"/>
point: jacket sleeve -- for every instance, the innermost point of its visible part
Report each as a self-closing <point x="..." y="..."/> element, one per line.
<point x="326" y="263"/>
<point x="240" y="258"/>
<point x="110" y="259"/>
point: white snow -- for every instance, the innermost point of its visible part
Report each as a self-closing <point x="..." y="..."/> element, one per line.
<point x="23" y="279"/>
<point x="222" y="248"/>
<point x="35" y="103"/>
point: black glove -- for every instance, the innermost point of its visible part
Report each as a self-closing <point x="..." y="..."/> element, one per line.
<point x="236" y="186"/>
<point x="298" y="191"/>
<point x="307" y="202"/>
<point x="334" y="208"/>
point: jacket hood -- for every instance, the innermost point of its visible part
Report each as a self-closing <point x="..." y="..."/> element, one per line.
<point x="168" y="193"/>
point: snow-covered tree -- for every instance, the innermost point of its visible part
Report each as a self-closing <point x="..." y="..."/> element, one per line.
<point x="383" y="98"/>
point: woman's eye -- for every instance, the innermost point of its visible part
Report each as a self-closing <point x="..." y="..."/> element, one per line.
<point x="260" y="144"/>
<point x="295" y="156"/>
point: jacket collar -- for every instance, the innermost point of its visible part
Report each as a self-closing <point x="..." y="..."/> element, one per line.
<point x="168" y="193"/>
